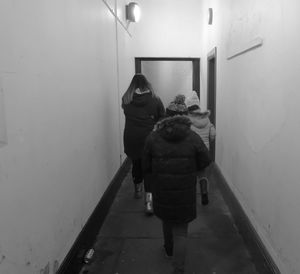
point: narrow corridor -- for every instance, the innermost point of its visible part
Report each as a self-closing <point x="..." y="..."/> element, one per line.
<point x="130" y="242"/>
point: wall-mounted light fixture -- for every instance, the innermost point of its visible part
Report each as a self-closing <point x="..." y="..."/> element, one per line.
<point x="210" y="16"/>
<point x="133" y="12"/>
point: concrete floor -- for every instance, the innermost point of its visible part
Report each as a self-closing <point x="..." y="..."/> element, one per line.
<point x="130" y="242"/>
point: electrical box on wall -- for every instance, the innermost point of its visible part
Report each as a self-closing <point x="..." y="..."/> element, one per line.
<point x="3" y="135"/>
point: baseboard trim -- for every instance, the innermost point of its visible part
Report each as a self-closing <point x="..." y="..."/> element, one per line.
<point x="261" y="257"/>
<point x="73" y="262"/>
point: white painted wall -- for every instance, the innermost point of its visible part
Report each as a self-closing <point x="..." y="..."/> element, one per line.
<point x="168" y="28"/>
<point x="60" y="85"/>
<point x="258" y="124"/>
<point x="169" y="78"/>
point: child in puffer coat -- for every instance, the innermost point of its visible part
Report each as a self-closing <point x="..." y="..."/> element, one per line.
<point x="173" y="156"/>
<point x="206" y="130"/>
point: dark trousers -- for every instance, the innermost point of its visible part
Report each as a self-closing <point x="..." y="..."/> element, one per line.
<point x="175" y="238"/>
<point x="137" y="172"/>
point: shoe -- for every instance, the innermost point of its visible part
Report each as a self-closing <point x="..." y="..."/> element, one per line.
<point x="177" y="271"/>
<point x="204" y="191"/>
<point x="138" y="188"/>
<point x="204" y="199"/>
<point x="149" y="208"/>
<point x="168" y="251"/>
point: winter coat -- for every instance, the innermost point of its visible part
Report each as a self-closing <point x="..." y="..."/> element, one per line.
<point x="203" y="127"/>
<point x="172" y="156"/>
<point x="140" y="117"/>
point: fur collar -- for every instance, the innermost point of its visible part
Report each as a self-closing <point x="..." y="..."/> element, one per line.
<point x="174" y="128"/>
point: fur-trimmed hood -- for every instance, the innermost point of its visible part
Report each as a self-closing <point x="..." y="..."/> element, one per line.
<point x="200" y="120"/>
<point x="174" y="128"/>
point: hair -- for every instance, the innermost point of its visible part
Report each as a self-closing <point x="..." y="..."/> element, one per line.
<point x="138" y="81"/>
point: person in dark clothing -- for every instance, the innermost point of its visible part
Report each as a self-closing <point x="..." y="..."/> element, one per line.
<point x="173" y="154"/>
<point x="142" y="109"/>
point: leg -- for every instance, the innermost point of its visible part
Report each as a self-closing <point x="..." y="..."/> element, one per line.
<point x="137" y="176"/>
<point x="168" y="238"/>
<point x="203" y="182"/>
<point x="180" y="242"/>
<point x="204" y="190"/>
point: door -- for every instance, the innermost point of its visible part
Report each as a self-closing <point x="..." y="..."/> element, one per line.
<point x="211" y="91"/>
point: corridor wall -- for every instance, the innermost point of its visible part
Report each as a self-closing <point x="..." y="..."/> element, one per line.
<point x="257" y="115"/>
<point x="63" y="65"/>
<point x="257" y="95"/>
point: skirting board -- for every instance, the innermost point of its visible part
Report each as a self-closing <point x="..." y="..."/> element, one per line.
<point x="74" y="259"/>
<point x="261" y="257"/>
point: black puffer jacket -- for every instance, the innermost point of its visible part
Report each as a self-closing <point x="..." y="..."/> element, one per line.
<point x="140" y="117"/>
<point x="173" y="154"/>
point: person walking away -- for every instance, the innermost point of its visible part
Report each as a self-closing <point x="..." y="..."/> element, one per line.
<point x="173" y="155"/>
<point x="142" y="109"/>
<point x="202" y="125"/>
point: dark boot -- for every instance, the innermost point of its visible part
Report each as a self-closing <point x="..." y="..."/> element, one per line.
<point x="204" y="191"/>
<point x="168" y="251"/>
<point x="138" y="189"/>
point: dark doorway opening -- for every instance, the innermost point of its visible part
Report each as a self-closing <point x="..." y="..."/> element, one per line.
<point x="211" y="91"/>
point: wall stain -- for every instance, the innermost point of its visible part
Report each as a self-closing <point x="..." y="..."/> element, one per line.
<point x="55" y="266"/>
<point x="45" y="270"/>
<point x="2" y="259"/>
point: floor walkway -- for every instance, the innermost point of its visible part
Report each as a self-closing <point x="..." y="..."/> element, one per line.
<point x="130" y="242"/>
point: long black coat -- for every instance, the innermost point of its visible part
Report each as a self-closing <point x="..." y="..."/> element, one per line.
<point x="140" y="117"/>
<point x="172" y="156"/>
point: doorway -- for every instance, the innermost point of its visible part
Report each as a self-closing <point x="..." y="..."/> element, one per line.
<point x="211" y="91"/>
<point x="170" y="76"/>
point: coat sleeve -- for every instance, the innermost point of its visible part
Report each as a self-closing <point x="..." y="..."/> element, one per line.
<point x="147" y="164"/>
<point x="212" y="133"/>
<point x="160" y="109"/>
<point x="202" y="155"/>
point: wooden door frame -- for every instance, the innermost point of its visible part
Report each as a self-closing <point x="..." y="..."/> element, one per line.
<point x="212" y="55"/>
<point x="212" y="91"/>
<point x="195" y="64"/>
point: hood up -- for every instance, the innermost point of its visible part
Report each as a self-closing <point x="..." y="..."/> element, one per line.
<point x="174" y="128"/>
<point x="200" y="120"/>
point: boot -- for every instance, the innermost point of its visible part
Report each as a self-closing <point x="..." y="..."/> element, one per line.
<point x="148" y="203"/>
<point x="204" y="191"/>
<point x="168" y="251"/>
<point x="138" y="188"/>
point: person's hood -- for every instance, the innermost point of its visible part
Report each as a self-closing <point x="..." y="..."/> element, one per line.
<point x="174" y="128"/>
<point x="199" y="121"/>
<point x="141" y="99"/>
